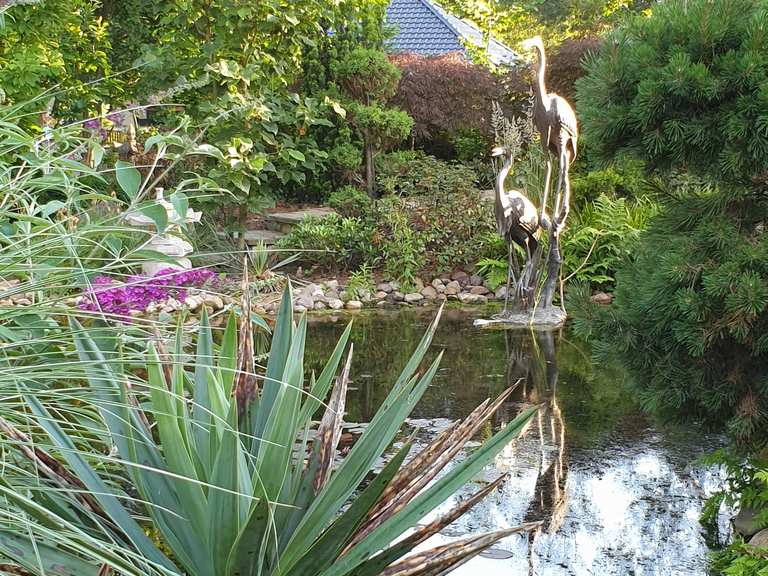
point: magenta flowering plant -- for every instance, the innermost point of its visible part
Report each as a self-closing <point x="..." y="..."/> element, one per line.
<point x="138" y="292"/>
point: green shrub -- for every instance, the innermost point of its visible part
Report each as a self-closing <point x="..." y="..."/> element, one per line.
<point x="601" y="235"/>
<point x="691" y="310"/>
<point x="350" y="201"/>
<point x="411" y="173"/>
<point x="686" y="86"/>
<point x="624" y="178"/>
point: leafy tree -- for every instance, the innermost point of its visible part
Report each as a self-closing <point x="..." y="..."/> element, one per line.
<point x="59" y="46"/>
<point x="370" y="80"/>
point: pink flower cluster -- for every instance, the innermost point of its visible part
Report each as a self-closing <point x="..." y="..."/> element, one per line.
<point x="139" y="292"/>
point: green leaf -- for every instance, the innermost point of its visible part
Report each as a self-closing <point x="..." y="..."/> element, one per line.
<point x="128" y="177"/>
<point x="180" y="204"/>
<point x="158" y="214"/>
<point x="35" y="555"/>
<point x="296" y="155"/>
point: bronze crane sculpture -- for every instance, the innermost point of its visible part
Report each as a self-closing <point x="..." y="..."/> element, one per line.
<point x="556" y="122"/>
<point x="517" y="221"/>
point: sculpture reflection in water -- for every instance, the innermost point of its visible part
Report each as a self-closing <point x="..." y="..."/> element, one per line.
<point x="532" y="361"/>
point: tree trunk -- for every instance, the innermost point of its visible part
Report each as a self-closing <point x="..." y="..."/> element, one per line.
<point x="370" y="170"/>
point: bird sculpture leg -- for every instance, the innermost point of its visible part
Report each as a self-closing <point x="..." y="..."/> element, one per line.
<point x="545" y="195"/>
<point x="510" y="276"/>
<point x="557" y="206"/>
<point x="566" y="206"/>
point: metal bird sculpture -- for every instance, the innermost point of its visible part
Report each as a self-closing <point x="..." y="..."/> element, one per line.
<point x="556" y="122"/>
<point x="517" y="220"/>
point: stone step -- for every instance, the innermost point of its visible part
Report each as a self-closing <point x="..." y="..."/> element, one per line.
<point x="253" y="237"/>
<point x="284" y="221"/>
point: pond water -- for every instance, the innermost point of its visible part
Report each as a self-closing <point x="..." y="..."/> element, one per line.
<point x="619" y="493"/>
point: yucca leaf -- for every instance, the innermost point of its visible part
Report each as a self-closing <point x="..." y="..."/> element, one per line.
<point x="430" y="498"/>
<point x="136" y="448"/>
<point x="282" y="339"/>
<point x="376" y="438"/>
<point x="227" y="507"/>
<point x="42" y="558"/>
<point x="330" y="544"/>
<point x="99" y="490"/>
<point x="201" y="410"/>
<point x="319" y="391"/>
<point x="281" y="430"/>
<point x="228" y="356"/>
<point x="191" y="496"/>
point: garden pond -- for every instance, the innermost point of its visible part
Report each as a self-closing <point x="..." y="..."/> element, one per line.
<point x="619" y="493"/>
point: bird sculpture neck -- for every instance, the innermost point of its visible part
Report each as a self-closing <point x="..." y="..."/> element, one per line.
<point x="502" y="177"/>
<point x="541" y="88"/>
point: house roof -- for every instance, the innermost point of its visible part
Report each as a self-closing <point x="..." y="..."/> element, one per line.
<point x="424" y="27"/>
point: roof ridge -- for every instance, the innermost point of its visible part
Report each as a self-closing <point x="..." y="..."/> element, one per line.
<point x="433" y="7"/>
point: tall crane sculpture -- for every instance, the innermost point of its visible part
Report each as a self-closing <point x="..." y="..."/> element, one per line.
<point x="556" y="122"/>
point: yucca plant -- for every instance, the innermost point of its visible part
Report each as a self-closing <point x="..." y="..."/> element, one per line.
<point x="211" y="467"/>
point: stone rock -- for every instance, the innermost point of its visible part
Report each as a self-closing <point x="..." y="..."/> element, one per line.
<point x="476" y="289"/>
<point x="384" y="287"/>
<point x="335" y="303"/>
<point x="380" y="295"/>
<point x="476" y="280"/>
<point x="429" y="292"/>
<point x="332" y="284"/>
<point x="354" y="305"/>
<point x="365" y="296"/>
<point x="760" y="539"/>
<point x="298" y="308"/>
<point x="320" y="305"/>
<point x="23" y="302"/>
<point x="6" y="302"/>
<point x="437" y="284"/>
<point x="332" y="294"/>
<point x="461" y="277"/>
<point x="452" y="288"/>
<point x="381" y="303"/>
<point x="501" y="292"/>
<point x="469" y="298"/>
<point x="442" y="297"/>
<point x="395" y="285"/>
<point x="744" y="522"/>
<point x="306" y="301"/>
<point x="151" y="308"/>
<point x="214" y="301"/>
<point x="8" y="284"/>
<point x="397" y="296"/>
<point x="413" y="297"/>
<point x="602" y="298"/>
<point x="418" y="284"/>
<point x="192" y="303"/>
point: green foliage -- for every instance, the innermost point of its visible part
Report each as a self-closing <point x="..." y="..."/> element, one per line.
<point x="383" y="127"/>
<point x="601" y="235"/>
<point x="210" y="465"/>
<point x="746" y="486"/>
<point x="740" y="559"/>
<point x="360" y="282"/>
<point x="401" y="236"/>
<point x="367" y="74"/>
<point x="411" y="173"/>
<point x="58" y="46"/>
<point x="690" y="311"/>
<point x="624" y="178"/>
<point x="350" y="201"/>
<point x="684" y="87"/>
<point x="494" y="270"/>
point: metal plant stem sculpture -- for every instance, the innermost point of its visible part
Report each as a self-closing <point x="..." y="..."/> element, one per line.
<point x="556" y="123"/>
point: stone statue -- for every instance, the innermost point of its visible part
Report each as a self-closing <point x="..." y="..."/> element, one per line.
<point x="166" y="243"/>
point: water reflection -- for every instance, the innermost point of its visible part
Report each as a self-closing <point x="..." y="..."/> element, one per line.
<point x="618" y="493"/>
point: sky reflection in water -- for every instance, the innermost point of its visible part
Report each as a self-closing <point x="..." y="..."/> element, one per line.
<point x="619" y="493"/>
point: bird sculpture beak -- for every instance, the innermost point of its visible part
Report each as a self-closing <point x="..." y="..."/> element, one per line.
<point x="498" y="151"/>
